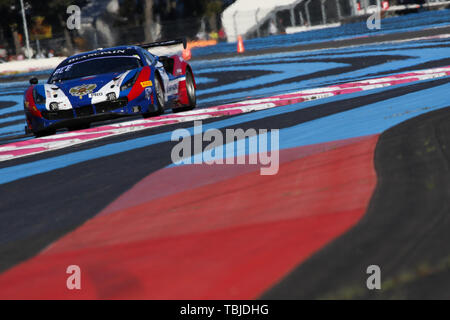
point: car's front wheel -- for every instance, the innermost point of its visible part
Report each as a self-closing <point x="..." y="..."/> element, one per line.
<point x="160" y="99"/>
<point x="80" y="126"/>
<point x="44" y="133"/>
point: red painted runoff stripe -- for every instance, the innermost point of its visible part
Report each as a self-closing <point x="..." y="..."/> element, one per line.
<point x="217" y="241"/>
<point x="202" y="175"/>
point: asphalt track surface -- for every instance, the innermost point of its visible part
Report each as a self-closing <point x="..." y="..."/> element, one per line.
<point x="363" y="180"/>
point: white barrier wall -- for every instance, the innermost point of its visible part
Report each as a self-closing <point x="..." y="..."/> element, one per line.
<point x="244" y="16"/>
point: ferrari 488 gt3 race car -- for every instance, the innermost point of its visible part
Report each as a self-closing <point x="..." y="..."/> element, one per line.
<point x="108" y="83"/>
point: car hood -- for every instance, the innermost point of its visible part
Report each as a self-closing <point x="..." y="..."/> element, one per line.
<point x="84" y="91"/>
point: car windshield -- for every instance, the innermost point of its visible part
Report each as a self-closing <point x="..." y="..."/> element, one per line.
<point x="95" y="66"/>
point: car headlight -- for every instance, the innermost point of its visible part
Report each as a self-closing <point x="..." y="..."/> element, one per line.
<point x="54" y="106"/>
<point x="111" y="96"/>
<point x="38" y="99"/>
<point x="129" y="83"/>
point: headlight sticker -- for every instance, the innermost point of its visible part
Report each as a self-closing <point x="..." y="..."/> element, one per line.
<point x="95" y="94"/>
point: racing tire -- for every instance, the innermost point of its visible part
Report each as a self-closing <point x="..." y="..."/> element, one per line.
<point x="44" y="133"/>
<point x="191" y="93"/>
<point x="81" y="126"/>
<point x="160" y="99"/>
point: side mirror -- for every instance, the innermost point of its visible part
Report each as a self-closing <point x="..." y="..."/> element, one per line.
<point x="34" y="80"/>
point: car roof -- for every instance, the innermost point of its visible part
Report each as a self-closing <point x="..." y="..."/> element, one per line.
<point x="118" y="51"/>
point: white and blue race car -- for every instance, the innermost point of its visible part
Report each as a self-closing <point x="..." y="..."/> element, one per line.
<point x="108" y="83"/>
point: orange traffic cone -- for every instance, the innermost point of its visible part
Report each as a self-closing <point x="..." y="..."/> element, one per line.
<point x="240" y="46"/>
<point x="187" y="54"/>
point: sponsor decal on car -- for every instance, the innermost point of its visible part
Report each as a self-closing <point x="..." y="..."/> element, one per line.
<point x="96" y="94"/>
<point x="146" y="84"/>
<point x="173" y="88"/>
<point x="99" y="54"/>
<point x="81" y="91"/>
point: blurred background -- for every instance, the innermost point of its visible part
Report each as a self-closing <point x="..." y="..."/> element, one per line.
<point x="106" y="23"/>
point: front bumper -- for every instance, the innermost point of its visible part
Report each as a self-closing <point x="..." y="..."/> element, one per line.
<point x="89" y="113"/>
<point x="88" y="110"/>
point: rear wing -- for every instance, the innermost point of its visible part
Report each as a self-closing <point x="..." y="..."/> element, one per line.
<point x="164" y="43"/>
